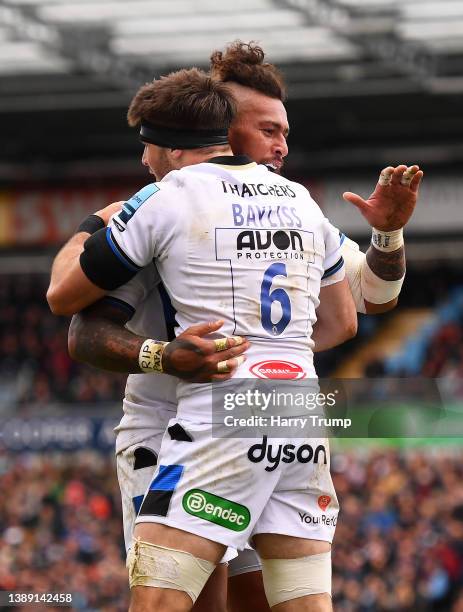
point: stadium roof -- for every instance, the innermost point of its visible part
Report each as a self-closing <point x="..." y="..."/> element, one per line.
<point x="62" y="55"/>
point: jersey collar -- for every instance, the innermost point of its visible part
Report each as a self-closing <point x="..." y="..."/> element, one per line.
<point x="231" y="160"/>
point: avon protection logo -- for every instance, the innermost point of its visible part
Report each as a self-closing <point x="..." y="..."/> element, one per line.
<point x="260" y="240"/>
<point x="283" y="370"/>
<point x="216" y="509"/>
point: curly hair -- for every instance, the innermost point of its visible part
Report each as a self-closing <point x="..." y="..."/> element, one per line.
<point x="186" y="99"/>
<point x="243" y="63"/>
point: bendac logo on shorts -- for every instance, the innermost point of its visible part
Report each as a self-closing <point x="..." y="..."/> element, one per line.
<point x="324" y="502"/>
<point x="285" y="370"/>
<point x="215" y="509"/>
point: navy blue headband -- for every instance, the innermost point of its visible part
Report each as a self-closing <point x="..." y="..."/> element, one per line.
<point x="181" y="139"/>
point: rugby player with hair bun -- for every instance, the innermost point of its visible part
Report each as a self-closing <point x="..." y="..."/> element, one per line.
<point x="260" y="130"/>
<point x="216" y="250"/>
<point x="98" y="335"/>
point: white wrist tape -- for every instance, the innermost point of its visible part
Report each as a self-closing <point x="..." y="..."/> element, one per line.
<point x="377" y="290"/>
<point x="150" y="355"/>
<point x="387" y="241"/>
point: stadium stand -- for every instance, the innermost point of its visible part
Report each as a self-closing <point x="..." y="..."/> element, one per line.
<point x="35" y="368"/>
<point x="61" y="529"/>
<point x="436" y="345"/>
<point x="398" y="541"/>
<point x="433" y="350"/>
<point x="420" y="338"/>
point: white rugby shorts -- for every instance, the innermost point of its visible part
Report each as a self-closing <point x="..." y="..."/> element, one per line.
<point x="229" y="489"/>
<point x="136" y="466"/>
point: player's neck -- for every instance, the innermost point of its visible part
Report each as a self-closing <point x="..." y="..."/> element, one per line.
<point x="196" y="156"/>
<point x="210" y="152"/>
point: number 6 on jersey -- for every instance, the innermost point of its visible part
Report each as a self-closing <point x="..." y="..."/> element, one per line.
<point x="268" y="297"/>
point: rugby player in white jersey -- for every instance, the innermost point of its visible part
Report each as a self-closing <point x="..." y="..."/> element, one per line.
<point x="99" y="336"/>
<point x="193" y="228"/>
<point x="242" y="63"/>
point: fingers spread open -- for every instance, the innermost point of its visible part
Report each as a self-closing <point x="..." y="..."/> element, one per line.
<point x="408" y="175"/>
<point x="416" y="180"/>
<point x="355" y="199"/>
<point x="386" y="176"/>
<point x="397" y="174"/>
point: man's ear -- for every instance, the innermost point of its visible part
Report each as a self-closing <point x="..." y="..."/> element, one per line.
<point x="175" y="154"/>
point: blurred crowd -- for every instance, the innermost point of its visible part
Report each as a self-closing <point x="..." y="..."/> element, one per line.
<point x="399" y="538"/>
<point x="444" y="356"/>
<point x="398" y="544"/>
<point x="428" y="288"/>
<point x="35" y="368"/>
<point x="60" y="529"/>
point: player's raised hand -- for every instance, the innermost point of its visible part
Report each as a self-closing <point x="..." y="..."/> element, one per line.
<point x="393" y="201"/>
<point x="194" y="357"/>
<point x="108" y="211"/>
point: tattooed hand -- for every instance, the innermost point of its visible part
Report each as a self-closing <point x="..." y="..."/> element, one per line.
<point x="194" y="358"/>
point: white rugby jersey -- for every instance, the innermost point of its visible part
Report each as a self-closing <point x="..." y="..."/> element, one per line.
<point x="147" y="396"/>
<point x="231" y="240"/>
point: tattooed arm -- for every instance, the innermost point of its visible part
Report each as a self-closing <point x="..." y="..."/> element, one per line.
<point x="97" y="336"/>
<point x="389" y="267"/>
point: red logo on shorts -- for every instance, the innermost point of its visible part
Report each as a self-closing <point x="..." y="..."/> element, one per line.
<point x="277" y="369"/>
<point x="324" y="502"/>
